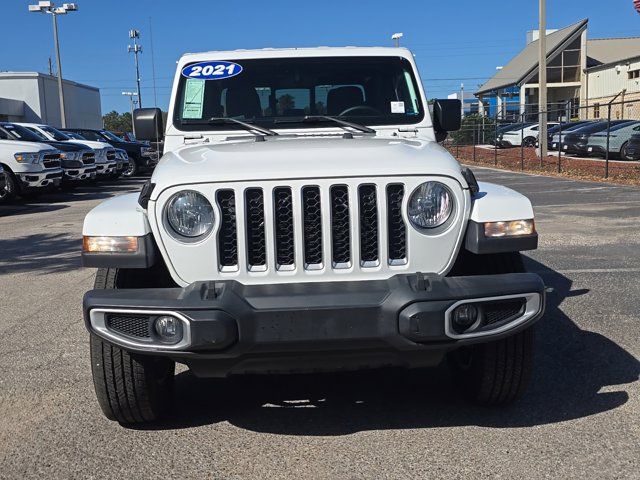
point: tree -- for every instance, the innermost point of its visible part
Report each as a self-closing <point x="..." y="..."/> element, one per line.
<point x="286" y="102"/>
<point x="118" y="122"/>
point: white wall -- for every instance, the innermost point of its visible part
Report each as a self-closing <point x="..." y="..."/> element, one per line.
<point x="608" y="82"/>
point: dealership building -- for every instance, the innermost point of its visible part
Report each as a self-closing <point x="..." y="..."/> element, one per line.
<point x="33" y="97"/>
<point x="583" y="75"/>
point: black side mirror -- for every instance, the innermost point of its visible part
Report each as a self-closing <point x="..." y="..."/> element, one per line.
<point x="447" y="117"/>
<point x="148" y="124"/>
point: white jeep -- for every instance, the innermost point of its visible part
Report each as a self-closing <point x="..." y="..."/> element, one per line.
<point x="304" y="218"/>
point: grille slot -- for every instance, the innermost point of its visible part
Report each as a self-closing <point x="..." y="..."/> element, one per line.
<point x="397" y="230"/>
<point x="499" y="311"/>
<point x="256" y="245"/>
<point x="51" y="160"/>
<point x="283" y="225"/>
<point x="138" y="326"/>
<point x="88" y="158"/>
<point x="111" y="154"/>
<point x="340" y="227"/>
<point x="312" y="223"/>
<point x="368" y="225"/>
<point x="228" y="234"/>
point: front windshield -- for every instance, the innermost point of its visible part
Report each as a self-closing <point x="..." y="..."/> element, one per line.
<point x="111" y="136"/>
<point x="56" y="134"/>
<point x="19" y="132"/>
<point x="280" y="92"/>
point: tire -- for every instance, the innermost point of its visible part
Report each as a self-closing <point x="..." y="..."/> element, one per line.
<point x="623" y="152"/>
<point x="529" y="141"/>
<point x="498" y="372"/>
<point x="11" y="190"/>
<point x="132" y="170"/>
<point x="129" y="388"/>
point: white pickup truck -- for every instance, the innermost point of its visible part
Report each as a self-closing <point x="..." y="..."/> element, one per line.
<point x="29" y="167"/>
<point x="305" y="218"/>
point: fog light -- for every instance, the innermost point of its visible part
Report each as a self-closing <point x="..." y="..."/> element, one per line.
<point x="464" y="317"/>
<point x="169" y="329"/>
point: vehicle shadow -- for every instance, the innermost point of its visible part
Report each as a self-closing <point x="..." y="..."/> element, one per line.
<point x="572" y="366"/>
<point x="40" y="252"/>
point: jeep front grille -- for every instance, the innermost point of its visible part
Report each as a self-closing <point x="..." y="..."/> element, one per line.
<point x="339" y="225"/>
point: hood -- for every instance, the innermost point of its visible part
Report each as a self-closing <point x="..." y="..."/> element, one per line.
<point x="302" y="157"/>
<point x="20" y="146"/>
<point x="68" y="146"/>
<point x="91" y="144"/>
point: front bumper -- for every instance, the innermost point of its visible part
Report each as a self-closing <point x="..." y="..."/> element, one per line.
<point x="234" y="328"/>
<point x="575" y="148"/>
<point x="78" y="174"/>
<point x="44" y="178"/>
<point x="106" y="168"/>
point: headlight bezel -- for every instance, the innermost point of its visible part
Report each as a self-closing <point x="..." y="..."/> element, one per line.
<point x="446" y="223"/>
<point x="28" y="157"/>
<point x="173" y="231"/>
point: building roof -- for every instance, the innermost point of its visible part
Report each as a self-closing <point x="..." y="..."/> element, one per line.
<point x="605" y="51"/>
<point x="520" y="66"/>
<point x="20" y="75"/>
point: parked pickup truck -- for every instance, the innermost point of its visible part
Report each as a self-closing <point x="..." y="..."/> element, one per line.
<point x="305" y="218"/>
<point x="29" y="167"/>
<point x="78" y="162"/>
<point x="107" y="164"/>
<point x="143" y="157"/>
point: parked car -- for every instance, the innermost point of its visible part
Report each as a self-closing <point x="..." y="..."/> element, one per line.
<point x="29" y="168"/>
<point x="107" y="165"/>
<point x="501" y="129"/>
<point x="298" y="241"/>
<point x="619" y="136"/>
<point x="575" y="142"/>
<point x="524" y="135"/>
<point x="142" y="156"/>
<point x="78" y="161"/>
<point x="557" y="136"/>
<point x="633" y="148"/>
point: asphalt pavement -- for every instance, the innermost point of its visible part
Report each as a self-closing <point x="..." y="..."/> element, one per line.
<point x="579" y="419"/>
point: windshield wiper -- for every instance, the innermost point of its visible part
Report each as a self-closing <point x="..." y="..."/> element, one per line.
<point x="326" y="118"/>
<point x="231" y="121"/>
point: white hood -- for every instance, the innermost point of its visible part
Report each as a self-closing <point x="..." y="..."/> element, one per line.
<point x="302" y="157"/>
<point x="91" y="144"/>
<point x="18" y="146"/>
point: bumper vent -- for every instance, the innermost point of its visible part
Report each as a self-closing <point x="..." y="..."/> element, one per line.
<point x="499" y="311"/>
<point x="136" y="326"/>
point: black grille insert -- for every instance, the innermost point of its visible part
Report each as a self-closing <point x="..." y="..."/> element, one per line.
<point x="340" y="226"/>
<point x="312" y="220"/>
<point x="502" y="310"/>
<point x="89" y="158"/>
<point x="395" y="223"/>
<point x="137" y="326"/>
<point x="283" y="212"/>
<point x="256" y="246"/>
<point x="228" y="234"/>
<point x="368" y="225"/>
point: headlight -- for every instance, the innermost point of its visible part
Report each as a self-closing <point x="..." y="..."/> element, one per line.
<point x="430" y="205"/>
<point x="190" y="214"/>
<point x="70" y="155"/>
<point x="27" y="157"/>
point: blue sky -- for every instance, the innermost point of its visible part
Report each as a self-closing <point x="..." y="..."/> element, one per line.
<point x="454" y="42"/>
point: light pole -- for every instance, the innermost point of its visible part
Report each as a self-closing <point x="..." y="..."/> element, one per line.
<point x="133" y="102"/>
<point x="135" y="49"/>
<point x="542" y="79"/>
<point x="396" y="38"/>
<point x="49" y="7"/>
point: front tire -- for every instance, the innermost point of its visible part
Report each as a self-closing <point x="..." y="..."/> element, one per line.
<point x="132" y="169"/>
<point x="529" y="142"/>
<point x="129" y="388"/>
<point x="498" y="372"/>
<point x="11" y="190"/>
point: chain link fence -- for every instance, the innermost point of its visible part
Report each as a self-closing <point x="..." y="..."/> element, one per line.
<point x="592" y="142"/>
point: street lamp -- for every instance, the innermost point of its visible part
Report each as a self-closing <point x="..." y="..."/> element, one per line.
<point x="133" y="102"/>
<point x="396" y="37"/>
<point x="135" y="35"/>
<point x="49" y="7"/>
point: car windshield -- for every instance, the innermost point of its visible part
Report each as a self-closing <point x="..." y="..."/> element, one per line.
<point x="56" y="134"/>
<point x="599" y="126"/>
<point x="75" y="135"/>
<point x="280" y="92"/>
<point x="111" y="136"/>
<point x="18" y="132"/>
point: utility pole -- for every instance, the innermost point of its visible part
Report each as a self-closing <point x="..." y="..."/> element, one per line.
<point x="50" y="8"/>
<point x="396" y="38"/>
<point x="135" y="49"/>
<point x="132" y="103"/>
<point x="542" y="79"/>
<point x="462" y="100"/>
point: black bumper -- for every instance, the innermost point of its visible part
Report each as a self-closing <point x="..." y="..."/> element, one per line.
<point x="235" y="328"/>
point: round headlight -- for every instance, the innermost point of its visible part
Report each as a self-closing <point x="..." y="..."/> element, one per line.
<point x="190" y="214"/>
<point x="430" y="205"/>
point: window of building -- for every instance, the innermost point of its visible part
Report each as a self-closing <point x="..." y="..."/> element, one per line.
<point x="634" y="74"/>
<point x="596" y="110"/>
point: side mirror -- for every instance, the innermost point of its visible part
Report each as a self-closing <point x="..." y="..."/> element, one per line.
<point x="447" y="117"/>
<point x="148" y="124"/>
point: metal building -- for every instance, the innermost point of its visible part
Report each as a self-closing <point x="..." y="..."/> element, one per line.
<point x="33" y="97"/>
